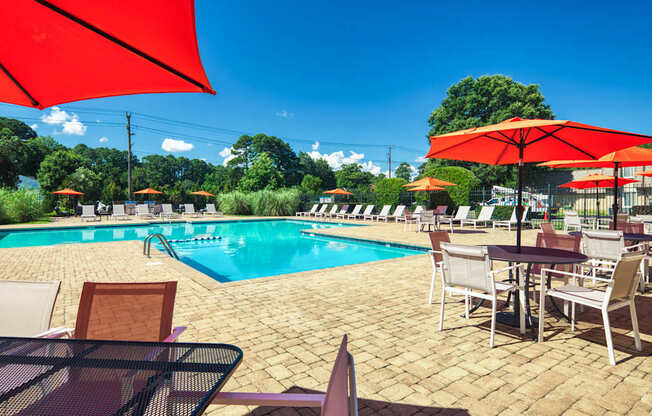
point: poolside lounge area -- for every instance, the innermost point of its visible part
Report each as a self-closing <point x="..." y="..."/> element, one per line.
<point x="289" y="328"/>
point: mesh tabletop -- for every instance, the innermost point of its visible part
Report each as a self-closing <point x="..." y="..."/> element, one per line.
<point x="64" y="377"/>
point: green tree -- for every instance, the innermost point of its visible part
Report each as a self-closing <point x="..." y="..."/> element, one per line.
<point x="262" y="174"/>
<point x="487" y="100"/>
<point x="111" y="191"/>
<point x="311" y="184"/>
<point x="404" y="170"/>
<point x="12" y="157"/>
<point x="37" y="149"/>
<point x="57" y="166"/>
<point x="463" y="179"/>
<point x="18" y="128"/>
<point x="221" y="179"/>
<point x="318" y="168"/>
<point x="351" y="176"/>
<point x="388" y="191"/>
<point x="84" y="180"/>
<point x="247" y="149"/>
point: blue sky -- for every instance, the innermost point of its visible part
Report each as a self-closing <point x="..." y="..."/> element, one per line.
<point x="356" y="76"/>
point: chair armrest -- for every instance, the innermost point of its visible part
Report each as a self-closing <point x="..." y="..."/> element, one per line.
<point x="175" y="333"/>
<point x="545" y="271"/>
<point x="59" y="332"/>
<point x="505" y="269"/>
<point x="636" y="246"/>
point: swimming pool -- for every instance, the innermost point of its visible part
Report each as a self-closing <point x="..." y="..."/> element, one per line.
<point x="246" y="249"/>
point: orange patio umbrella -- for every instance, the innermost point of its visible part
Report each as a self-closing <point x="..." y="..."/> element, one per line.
<point x="427" y="181"/>
<point x="629" y="157"/>
<point x="597" y="180"/>
<point x="202" y="193"/>
<point x="338" y="191"/>
<point x="520" y="141"/>
<point x="68" y="192"/>
<point x="148" y="191"/>
<point x="644" y="173"/>
<point x="426" y="188"/>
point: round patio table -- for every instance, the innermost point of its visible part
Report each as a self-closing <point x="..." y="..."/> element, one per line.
<point x="530" y="255"/>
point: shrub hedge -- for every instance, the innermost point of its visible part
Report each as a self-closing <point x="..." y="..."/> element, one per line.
<point x="265" y="203"/>
<point x="21" y="205"/>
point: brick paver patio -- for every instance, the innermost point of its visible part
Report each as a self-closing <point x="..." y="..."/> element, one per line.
<point x="290" y="326"/>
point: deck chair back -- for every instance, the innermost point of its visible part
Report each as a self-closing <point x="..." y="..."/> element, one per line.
<point x="26" y="307"/>
<point x="603" y="244"/>
<point x="314" y="208"/>
<point x="559" y="241"/>
<point x="88" y="210"/>
<point x="189" y="208"/>
<point x="368" y="210"/>
<point x="572" y="218"/>
<point x="344" y="209"/>
<point x="436" y="238"/>
<point x="513" y="217"/>
<point x="486" y="213"/>
<point x="462" y="212"/>
<point x="441" y="209"/>
<point x="126" y="311"/>
<point x="398" y="212"/>
<point x="467" y="266"/>
<point x="624" y="281"/>
<point x="167" y="209"/>
<point x="385" y="211"/>
<point x="356" y="210"/>
<point x="547" y="228"/>
<point x="333" y="209"/>
<point x="340" y="393"/>
<point x="323" y="208"/>
<point x="210" y="208"/>
<point x="418" y="210"/>
<point x="142" y="209"/>
<point x="118" y="210"/>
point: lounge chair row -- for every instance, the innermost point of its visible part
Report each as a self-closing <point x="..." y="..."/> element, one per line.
<point x="356" y="213"/>
<point x="142" y="211"/>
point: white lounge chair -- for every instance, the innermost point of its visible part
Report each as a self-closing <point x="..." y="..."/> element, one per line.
<point x="461" y="214"/>
<point x="167" y="212"/>
<point x="118" y="212"/>
<point x="189" y="211"/>
<point x="210" y="210"/>
<point x="483" y="218"/>
<point x="330" y="213"/>
<point x="342" y="212"/>
<point x="142" y="211"/>
<point x="572" y="221"/>
<point x="353" y="214"/>
<point x="368" y="213"/>
<point x="305" y="213"/>
<point x="468" y="268"/>
<point x="512" y="220"/>
<point x="321" y="211"/>
<point x="398" y="212"/>
<point x="620" y="292"/>
<point x="88" y="213"/>
<point x="383" y="213"/>
<point x="26" y="307"/>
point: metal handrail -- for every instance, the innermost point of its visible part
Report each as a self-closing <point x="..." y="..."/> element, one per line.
<point x="164" y="242"/>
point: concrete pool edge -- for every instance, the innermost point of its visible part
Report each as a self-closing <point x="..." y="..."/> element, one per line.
<point x="386" y="243"/>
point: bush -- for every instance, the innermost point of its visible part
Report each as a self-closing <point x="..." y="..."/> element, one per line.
<point x="234" y="203"/>
<point x="464" y="179"/>
<point x="388" y="191"/>
<point x="502" y="212"/>
<point x="275" y="203"/>
<point x="20" y="206"/>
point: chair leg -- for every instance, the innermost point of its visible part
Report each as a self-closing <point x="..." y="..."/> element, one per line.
<point x="607" y="333"/>
<point x="493" y="321"/>
<point x="441" y="308"/>
<point x="637" y="338"/>
<point x="466" y="305"/>
<point x="542" y="301"/>
<point x="432" y="284"/>
<point x="521" y="314"/>
<point x="572" y="316"/>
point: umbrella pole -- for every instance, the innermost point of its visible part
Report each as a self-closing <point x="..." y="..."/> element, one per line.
<point x="519" y="207"/>
<point x="615" y="206"/>
<point x="597" y="206"/>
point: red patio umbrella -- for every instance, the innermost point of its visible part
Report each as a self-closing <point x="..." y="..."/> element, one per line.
<point x="429" y="182"/>
<point x="338" y="191"/>
<point x="596" y="181"/>
<point x="644" y="173"/>
<point x="519" y="141"/>
<point x="58" y="51"/>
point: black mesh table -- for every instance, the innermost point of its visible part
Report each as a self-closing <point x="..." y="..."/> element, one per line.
<point x="65" y="377"/>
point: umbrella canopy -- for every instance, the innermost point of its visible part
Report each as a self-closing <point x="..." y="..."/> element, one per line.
<point x="202" y="193"/>
<point x="429" y="182"/>
<point x="97" y="49"/>
<point x="426" y="188"/>
<point x="629" y="157"/>
<point x="597" y="180"/>
<point x="519" y="141"/>
<point x="644" y="173"/>
<point x="67" y="191"/>
<point x="338" y="191"/>
<point x="148" y="191"/>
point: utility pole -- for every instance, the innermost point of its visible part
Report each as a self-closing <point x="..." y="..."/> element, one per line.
<point x="129" y="134"/>
<point x="389" y="157"/>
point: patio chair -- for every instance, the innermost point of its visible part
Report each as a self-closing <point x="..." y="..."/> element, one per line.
<point x="330" y="213"/>
<point x="646" y="220"/>
<point x="398" y="212"/>
<point x="142" y="211"/>
<point x="383" y="212"/>
<point x="408" y="219"/>
<point x="167" y="212"/>
<point x="353" y="214"/>
<point x="547" y="228"/>
<point x="467" y="271"/>
<point x="512" y="220"/>
<point x="88" y="213"/>
<point x="321" y="211"/>
<point x="436" y="238"/>
<point x="118" y="212"/>
<point x="26" y="308"/>
<point x="572" y="221"/>
<point x="126" y="311"/>
<point x="620" y="292"/>
<point x="342" y="212"/>
<point x="426" y="217"/>
<point x="461" y="214"/>
<point x="306" y="213"/>
<point x="368" y="213"/>
<point x="441" y="209"/>
<point x="210" y="210"/>
<point x="189" y="211"/>
<point x="340" y="398"/>
<point x="483" y="218"/>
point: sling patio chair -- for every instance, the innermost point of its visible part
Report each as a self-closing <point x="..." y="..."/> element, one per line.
<point x="426" y="217"/>
<point x="306" y="213"/>
<point x="462" y="214"/>
<point x="547" y="228"/>
<point x="483" y="218"/>
<point x="88" y="213"/>
<point x="340" y="398"/>
<point x="125" y="311"/>
<point x="189" y="211"/>
<point x="398" y="212"/>
<point x="512" y="220"/>
<point x="321" y="211"/>
<point x="343" y="211"/>
<point x="353" y="214"/>
<point x="620" y="292"/>
<point x="118" y="212"/>
<point x="325" y="214"/>
<point x="572" y="221"/>
<point x="408" y="219"/>
<point x="384" y="212"/>
<point x="368" y="213"/>
<point x="26" y="308"/>
<point x="436" y="238"/>
<point x="142" y="211"/>
<point x="467" y="271"/>
<point x="167" y="212"/>
<point x="210" y="210"/>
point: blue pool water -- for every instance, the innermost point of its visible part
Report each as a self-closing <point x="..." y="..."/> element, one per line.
<point x="246" y="250"/>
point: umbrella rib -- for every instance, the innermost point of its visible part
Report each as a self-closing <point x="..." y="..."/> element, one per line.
<point x="552" y="134"/>
<point x="19" y="85"/>
<point x="608" y="131"/>
<point x="467" y="141"/>
<point x="125" y="45"/>
<point x="501" y="154"/>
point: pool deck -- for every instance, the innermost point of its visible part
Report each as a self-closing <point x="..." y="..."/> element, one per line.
<point x="289" y="327"/>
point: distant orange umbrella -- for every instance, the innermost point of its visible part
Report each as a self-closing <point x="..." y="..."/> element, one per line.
<point x="644" y="173"/>
<point x="148" y="191"/>
<point x="338" y="191"/>
<point x="67" y="191"/>
<point x="426" y="188"/>
<point x="202" y="193"/>
<point x="429" y="182"/>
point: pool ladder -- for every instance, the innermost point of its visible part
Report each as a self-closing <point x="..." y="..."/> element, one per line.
<point x="147" y="244"/>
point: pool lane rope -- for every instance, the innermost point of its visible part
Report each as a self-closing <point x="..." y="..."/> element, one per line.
<point x="198" y="238"/>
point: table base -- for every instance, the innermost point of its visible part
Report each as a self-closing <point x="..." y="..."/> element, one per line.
<point x="508" y="318"/>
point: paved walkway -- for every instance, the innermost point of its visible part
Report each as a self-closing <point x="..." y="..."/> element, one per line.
<point x="289" y="328"/>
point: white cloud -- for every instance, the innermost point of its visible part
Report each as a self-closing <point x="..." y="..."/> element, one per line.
<point x="171" y="145"/>
<point x="370" y="166"/>
<point x="421" y="159"/>
<point x="203" y="159"/>
<point x="33" y="126"/>
<point x="227" y="154"/>
<point x="70" y="121"/>
<point x="337" y="159"/>
<point x="284" y="114"/>
<point x="104" y="139"/>
<point x="315" y="145"/>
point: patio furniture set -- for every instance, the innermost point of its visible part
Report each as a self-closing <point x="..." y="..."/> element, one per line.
<point x="146" y="211"/>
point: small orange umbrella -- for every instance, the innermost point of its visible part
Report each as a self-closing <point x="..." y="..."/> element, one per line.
<point x="644" y="173"/>
<point x="67" y="191"/>
<point x="202" y="193"/>
<point x="148" y="191"/>
<point x="338" y="191"/>
<point x="429" y="182"/>
<point x="426" y="188"/>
